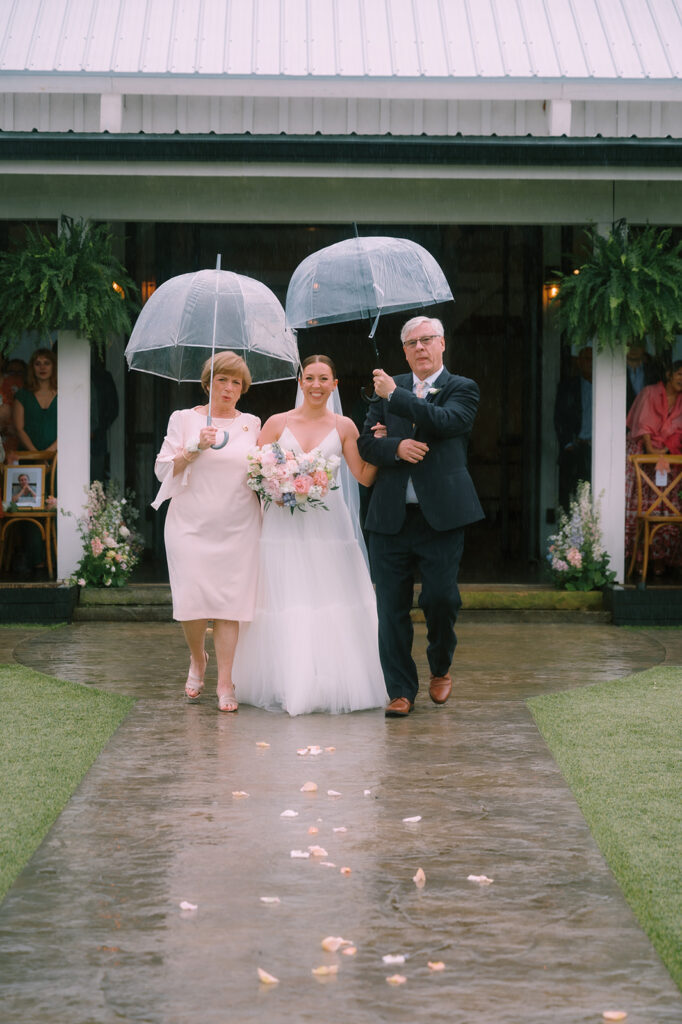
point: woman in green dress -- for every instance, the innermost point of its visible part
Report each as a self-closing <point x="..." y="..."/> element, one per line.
<point x="35" y="406"/>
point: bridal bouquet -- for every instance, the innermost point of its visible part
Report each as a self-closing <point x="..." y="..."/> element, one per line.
<point x="294" y="481"/>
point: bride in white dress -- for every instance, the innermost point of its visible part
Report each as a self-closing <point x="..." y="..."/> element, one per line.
<point x="312" y="645"/>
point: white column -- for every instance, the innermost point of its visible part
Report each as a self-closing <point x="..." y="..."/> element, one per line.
<point x="608" y="451"/>
<point x="110" y="112"/>
<point x="73" y="439"/>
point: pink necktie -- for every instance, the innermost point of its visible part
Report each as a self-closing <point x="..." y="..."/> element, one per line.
<point x="420" y="389"/>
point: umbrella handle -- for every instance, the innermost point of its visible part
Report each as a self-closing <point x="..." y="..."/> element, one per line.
<point x="368" y="399"/>
<point x="226" y="438"/>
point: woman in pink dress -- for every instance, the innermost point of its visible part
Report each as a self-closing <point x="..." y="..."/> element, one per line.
<point x="213" y="522"/>
<point x="655" y="428"/>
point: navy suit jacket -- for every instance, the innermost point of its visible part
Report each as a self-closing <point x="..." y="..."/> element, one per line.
<point x="443" y="420"/>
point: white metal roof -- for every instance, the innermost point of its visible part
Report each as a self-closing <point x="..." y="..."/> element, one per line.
<point x="452" y="40"/>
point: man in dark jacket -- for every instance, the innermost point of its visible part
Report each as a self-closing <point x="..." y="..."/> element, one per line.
<point x="421" y="501"/>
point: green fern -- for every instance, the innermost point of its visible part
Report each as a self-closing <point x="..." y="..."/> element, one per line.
<point x="628" y="290"/>
<point x="64" y="281"/>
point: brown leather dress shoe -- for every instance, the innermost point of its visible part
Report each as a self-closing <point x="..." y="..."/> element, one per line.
<point x="440" y="689"/>
<point x="399" y="707"/>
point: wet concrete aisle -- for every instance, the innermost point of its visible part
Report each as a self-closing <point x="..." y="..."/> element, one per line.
<point x="93" y="930"/>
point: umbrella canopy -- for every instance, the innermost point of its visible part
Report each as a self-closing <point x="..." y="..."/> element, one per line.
<point x="361" y="278"/>
<point x="189" y="316"/>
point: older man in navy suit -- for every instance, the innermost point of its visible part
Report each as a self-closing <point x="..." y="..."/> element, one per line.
<point x="422" y="500"/>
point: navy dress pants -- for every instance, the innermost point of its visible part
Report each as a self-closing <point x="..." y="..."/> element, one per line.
<point x="395" y="561"/>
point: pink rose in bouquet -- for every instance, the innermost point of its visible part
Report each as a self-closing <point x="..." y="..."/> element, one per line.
<point x="290" y="480"/>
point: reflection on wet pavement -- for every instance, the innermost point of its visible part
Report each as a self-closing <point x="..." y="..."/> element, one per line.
<point x="93" y="930"/>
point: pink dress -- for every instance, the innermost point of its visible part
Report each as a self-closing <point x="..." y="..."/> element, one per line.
<point x="213" y="523"/>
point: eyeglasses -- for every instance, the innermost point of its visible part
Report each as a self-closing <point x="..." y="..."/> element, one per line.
<point x="420" y="341"/>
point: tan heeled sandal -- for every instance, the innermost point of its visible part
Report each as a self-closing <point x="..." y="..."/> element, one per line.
<point x="194" y="685"/>
<point x="228" y="701"/>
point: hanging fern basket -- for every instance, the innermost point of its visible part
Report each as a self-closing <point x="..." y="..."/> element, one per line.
<point x="69" y="280"/>
<point x="628" y="291"/>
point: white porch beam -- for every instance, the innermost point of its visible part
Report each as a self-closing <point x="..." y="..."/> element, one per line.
<point x="559" y="117"/>
<point x="608" y="451"/>
<point x="73" y="434"/>
<point x="111" y="112"/>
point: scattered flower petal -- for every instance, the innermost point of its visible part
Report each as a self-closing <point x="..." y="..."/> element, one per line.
<point x="436" y="965"/>
<point x="334" y="942"/>
<point x="238" y="794"/>
<point x="314" y="751"/>
<point x="309" y="787"/>
<point x="390" y="958"/>
<point x="396" y="979"/>
<point x="419" y="879"/>
<point x="414" y="820"/>
<point x="299" y="853"/>
<point x="313" y="830"/>
<point x="302" y="751"/>
<point x="320" y="972"/>
<point x="367" y="792"/>
<point x="345" y="871"/>
<point x="318" y="851"/>
<point x="262" y="743"/>
<point x="327" y="864"/>
<point x="267" y="979"/>
<point x="186" y="905"/>
<point x="349" y="951"/>
<point x="270" y="899"/>
<point x="329" y="750"/>
<point x="289" y="814"/>
<point x="480" y="879"/>
<point x="614" y="1014"/>
<point x="333" y="792"/>
<point x="341" y="828"/>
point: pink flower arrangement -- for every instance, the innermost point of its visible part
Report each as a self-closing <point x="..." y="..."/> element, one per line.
<point x="290" y="480"/>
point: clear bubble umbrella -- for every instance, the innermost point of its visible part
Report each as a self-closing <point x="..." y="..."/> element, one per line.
<point x="191" y="316"/>
<point x="361" y="278"/>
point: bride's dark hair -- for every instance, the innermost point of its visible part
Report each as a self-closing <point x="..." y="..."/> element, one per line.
<point x="318" y="359"/>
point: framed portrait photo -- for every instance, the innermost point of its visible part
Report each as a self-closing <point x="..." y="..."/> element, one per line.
<point x="25" y="486"/>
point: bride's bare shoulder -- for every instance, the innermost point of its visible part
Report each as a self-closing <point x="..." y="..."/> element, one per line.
<point x="346" y="427"/>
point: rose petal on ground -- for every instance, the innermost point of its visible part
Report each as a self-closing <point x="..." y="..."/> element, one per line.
<point x="349" y="951"/>
<point x="313" y="830"/>
<point x="267" y="979"/>
<point x="302" y="751"/>
<point x="325" y="969"/>
<point x="614" y="1014"/>
<point x="270" y="899"/>
<point x="436" y="965"/>
<point x="299" y="853"/>
<point x="332" y="943"/>
<point x="391" y="958"/>
<point x="314" y="751"/>
<point x="341" y="828"/>
<point x="396" y="979"/>
<point x="419" y="878"/>
<point x="329" y="750"/>
<point x="367" y="792"/>
<point x="327" y="864"/>
<point x="239" y="793"/>
<point x="186" y="905"/>
<point x="345" y="871"/>
<point x="289" y="814"/>
<point x="480" y="879"/>
<point x="262" y="743"/>
<point x="333" y="792"/>
<point x="309" y="787"/>
<point x="318" y="851"/>
<point x="414" y="820"/>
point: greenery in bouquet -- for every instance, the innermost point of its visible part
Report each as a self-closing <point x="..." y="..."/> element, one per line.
<point x="576" y="556"/>
<point x="111" y="546"/>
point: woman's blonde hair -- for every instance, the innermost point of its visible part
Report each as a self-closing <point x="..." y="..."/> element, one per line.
<point x="31" y="382"/>
<point x="226" y="362"/>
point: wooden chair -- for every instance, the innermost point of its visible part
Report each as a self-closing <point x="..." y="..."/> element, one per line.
<point x="45" y="518"/>
<point x="658" y="505"/>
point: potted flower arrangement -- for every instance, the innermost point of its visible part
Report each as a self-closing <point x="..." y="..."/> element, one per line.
<point x="111" y="547"/>
<point x="576" y="556"/>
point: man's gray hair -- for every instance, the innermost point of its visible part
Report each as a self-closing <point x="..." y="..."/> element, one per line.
<point x="436" y="326"/>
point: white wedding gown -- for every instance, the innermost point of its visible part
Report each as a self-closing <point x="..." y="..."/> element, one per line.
<point x="312" y="645"/>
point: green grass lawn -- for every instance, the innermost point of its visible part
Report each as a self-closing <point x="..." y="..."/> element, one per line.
<point x="619" y="746"/>
<point x="52" y="731"/>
